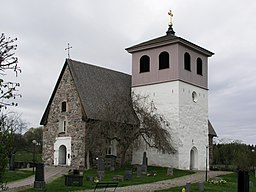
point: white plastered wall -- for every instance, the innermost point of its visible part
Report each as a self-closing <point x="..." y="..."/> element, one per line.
<point x="193" y="125"/>
<point x="188" y="123"/>
<point x="165" y="97"/>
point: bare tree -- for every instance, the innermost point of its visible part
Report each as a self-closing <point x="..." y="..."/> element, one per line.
<point x="136" y="120"/>
<point x="8" y="62"/>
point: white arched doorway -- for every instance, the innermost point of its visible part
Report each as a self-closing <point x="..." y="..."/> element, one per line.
<point x="62" y="155"/>
<point x="62" y="151"/>
<point x="193" y="158"/>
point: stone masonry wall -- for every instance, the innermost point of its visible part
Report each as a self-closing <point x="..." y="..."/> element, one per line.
<point x="75" y="127"/>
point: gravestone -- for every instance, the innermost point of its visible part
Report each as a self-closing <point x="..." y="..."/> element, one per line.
<point x="145" y="159"/>
<point x="100" y="164"/>
<point x="89" y="178"/>
<point x="251" y="184"/>
<point x="144" y="167"/>
<point x="127" y="175"/>
<point x="139" y="171"/>
<point x="73" y="180"/>
<point x="118" y="178"/>
<point x="169" y="171"/>
<point x="76" y="172"/>
<point x="100" y="174"/>
<point x="11" y="162"/>
<point x="110" y="162"/>
<point x="188" y="186"/>
<point x="39" y="182"/>
<point x="113" y="163"/>
<point x="100" y="168"/>
<point x="243" y="181"/>
<point x="201" y="186"/>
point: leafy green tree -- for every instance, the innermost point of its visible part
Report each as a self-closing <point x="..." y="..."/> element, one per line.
<point x="235" y="154"/>
<point x="5" y="144"/>
<point x="33" y="134"/>
<point x="10" y="123"/>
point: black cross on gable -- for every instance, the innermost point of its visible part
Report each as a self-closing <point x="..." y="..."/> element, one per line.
<point x="67" y="49"/>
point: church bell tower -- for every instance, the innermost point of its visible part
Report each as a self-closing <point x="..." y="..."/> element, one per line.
<point x="173" y="72"/>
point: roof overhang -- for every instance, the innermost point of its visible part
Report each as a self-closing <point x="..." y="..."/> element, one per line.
<point x="168" y="40"/>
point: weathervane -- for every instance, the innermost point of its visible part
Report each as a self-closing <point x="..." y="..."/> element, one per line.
<point x="67" y="49"/>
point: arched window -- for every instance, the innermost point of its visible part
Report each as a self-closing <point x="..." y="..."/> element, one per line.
<point x="199" y="66"/>
<point x="164" y="60"/>
<point x="144" y="64"/>
<point x="187" y="64"/>
<point x="64" y="106"/>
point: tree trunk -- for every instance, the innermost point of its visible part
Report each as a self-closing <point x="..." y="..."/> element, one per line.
<point x="123" y="154"/>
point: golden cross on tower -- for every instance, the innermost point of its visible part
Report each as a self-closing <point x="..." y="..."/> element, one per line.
<point x="171" y="15"/>
<point x="67" y="49"/>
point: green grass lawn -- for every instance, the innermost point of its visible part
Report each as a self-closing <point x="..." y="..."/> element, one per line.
<point x="58" y="184"/>
<point x="230" y="186"/>
<point x="17" y="175"/>
<point x="27" y="156"/>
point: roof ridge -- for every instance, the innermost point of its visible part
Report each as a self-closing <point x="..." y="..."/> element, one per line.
<point x="69" y="61"/>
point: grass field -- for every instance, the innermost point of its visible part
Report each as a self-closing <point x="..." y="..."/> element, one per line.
<point x="58" y="184"/>
<point x="27" y="156"/>
<point x="229" y="186"/>
<point x="16" y="175"/>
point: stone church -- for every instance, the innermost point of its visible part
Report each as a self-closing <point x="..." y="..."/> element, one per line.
<point x="172" y="71"/>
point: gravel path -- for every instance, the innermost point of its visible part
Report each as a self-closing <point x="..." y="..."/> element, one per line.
<point x="176" y="182"/>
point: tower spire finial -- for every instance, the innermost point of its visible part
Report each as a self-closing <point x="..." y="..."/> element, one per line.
<point x="171" y="15"/>
<point x="170" y="30"/>
<point x="67" y="49"/>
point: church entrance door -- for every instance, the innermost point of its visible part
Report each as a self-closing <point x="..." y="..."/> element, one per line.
<point x="193" y="158"/>
<point x="62" y="151"/>
<point x="62" y="155"/>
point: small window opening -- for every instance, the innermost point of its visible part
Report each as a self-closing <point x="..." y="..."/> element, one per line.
<point x="187" y="64"/>
<point x="64" y="106"/>
<point x="144" y="64"/>
<point x="64" y="126"/>
<point x="194" y="96"/>
<point x="199" y="66"/>
<point x="164" y="60"/>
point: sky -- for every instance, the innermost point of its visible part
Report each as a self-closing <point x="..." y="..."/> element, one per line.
<point x="99" y="31"/>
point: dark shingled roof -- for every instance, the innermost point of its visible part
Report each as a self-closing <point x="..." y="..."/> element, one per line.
<point x="97" y="88"/>
<point x="166" y="40"/>
<point x="211" y="130"/>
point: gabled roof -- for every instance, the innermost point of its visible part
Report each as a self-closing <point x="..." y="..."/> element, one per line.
<point x="97" y="88"/>
<point x="167" y="40"/>
<point x="211" y="130"/>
